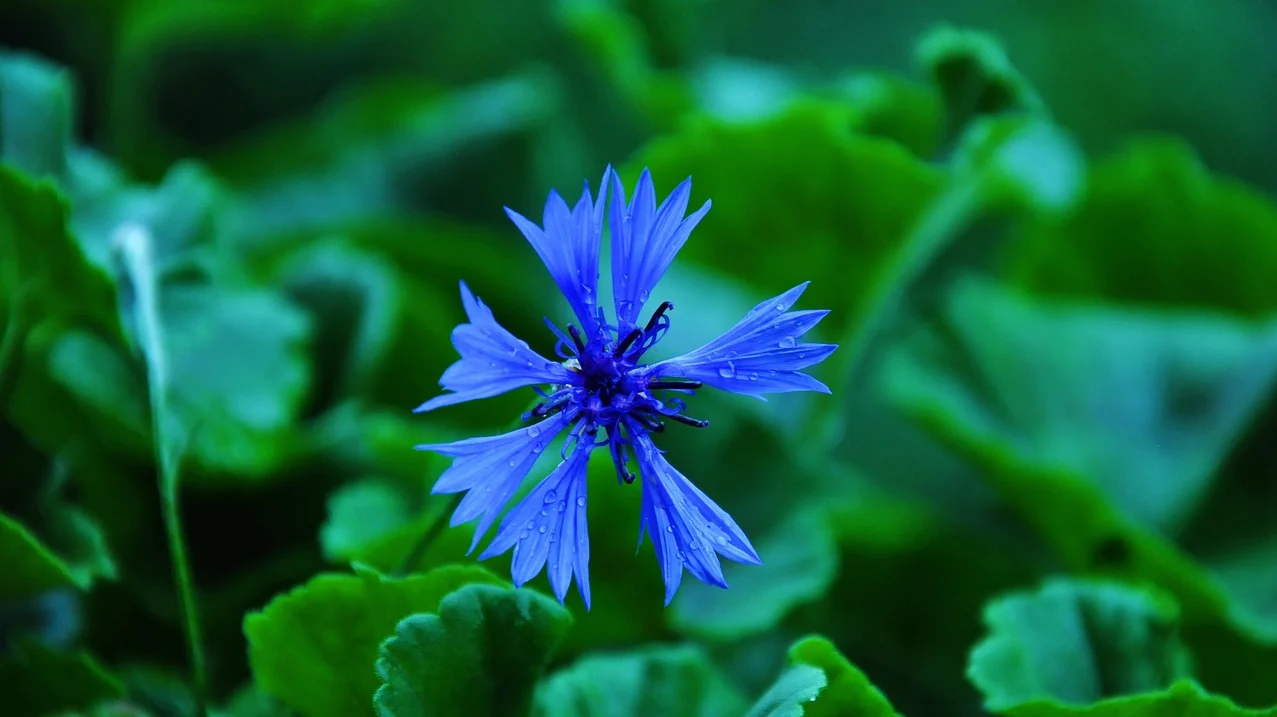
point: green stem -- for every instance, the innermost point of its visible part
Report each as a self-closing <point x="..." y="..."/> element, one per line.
<point x="432" y="532"/>
<point x="134" y="244"/>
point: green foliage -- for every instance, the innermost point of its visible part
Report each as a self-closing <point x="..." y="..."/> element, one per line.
<point x="231" y="236"/>
<point x="480" y="655"/>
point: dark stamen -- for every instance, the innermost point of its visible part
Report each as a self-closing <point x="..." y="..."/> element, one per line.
<point x="576" y="339"/>
<point x="545" y="409"/>
<point x="651" y="423"/>
<point x="677" y="384"/>
<point x="624" y="345"/>
<point x="660" y="311"/>
<point x="693" y="422"/>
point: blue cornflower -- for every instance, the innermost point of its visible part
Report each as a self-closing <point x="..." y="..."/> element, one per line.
<point x="602" y="395"/>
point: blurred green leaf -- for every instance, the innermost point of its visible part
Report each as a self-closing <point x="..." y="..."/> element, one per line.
<point x="40" y="681"/>
<point x="359" y="513"/>
<point x="798" y="197"/>
<point x="1077" y="643"/>
<point x="35" y="115"/>
<point x="315" y="647"/>
<point x="1183" y="698"/>
<point x="890" y="106"/>
<point x="797" y="687"/>
<point x="974" y="76"/>
<point x="1119" y="447"/>
<point x="30" y="567"/>
<point x="800" y="561"/>
<point x="481" y="655"/>
<point x="1155" y="228"/>
<point x="669" y="681"/>
<point x="239" y="374"/>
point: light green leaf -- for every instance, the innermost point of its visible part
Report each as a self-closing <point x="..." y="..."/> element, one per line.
<point x="35" y="115"/>
<point x="481" y="655"/>
<point x="315" y="648"/>
<point x="974" y="75"/>
<point x="667" y="681"/>
<point x="800" y="561"/>
<point x="1077" y="643"/>
<point x="39" y="681"/>
<point x="820" y="682"/>
<point x="795" y="689"/>
<point x="360" y="513"/>
<point x="1184" y="699"/>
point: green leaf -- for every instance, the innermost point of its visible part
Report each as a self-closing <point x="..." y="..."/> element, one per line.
<point x="315" y="647"/>
<point x="30" y="567"/>
<point x="800" y="561"/>
<point x="974" y="75"/>
<point x="1154" y="227"/>
<point x="667" y="681"/>
<point x="886" y="105"/>
<point x="35" y="115"/>
<point x="360" y="513"/>
<point x="1076" y="643"/>
<point x="481" y="655"/>
<point x="840" y="201"/>
<point x="238" y="418"/>
<point x="1183" y="698"/>
<point x="820" y="681"/>
<point x="40" y="681"/>
<point x="847" y="691"/>
<point x="1078" y="456"/>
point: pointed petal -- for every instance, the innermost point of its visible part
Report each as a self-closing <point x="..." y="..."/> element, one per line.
<point x="645" y="240"/>
<point x="568" y="244"/>
<point x="549" y="525"/>
<point x="760" y="354"/>
<point x="493" y="361"/>
<point x="687" y="529"/>
<point x="491" y="469"/>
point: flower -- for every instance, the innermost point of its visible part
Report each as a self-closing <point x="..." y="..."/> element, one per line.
<point x="601" y="394"/>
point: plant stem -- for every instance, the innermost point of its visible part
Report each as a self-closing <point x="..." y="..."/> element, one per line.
<point x="134" y="243"/>
<point x="432" y="531"/>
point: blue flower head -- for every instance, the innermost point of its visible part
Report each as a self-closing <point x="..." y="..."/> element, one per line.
<point x="601" y="394"/>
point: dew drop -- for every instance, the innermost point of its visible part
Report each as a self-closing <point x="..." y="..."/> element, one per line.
<point x="669" y="528"/>
<point x="514" y="352"/>
<point x="523" y="535"/>
<point x="550" y="496"/>
<point x="492" y="364"/>
<point x="682" y="555"/>
<point x="545" y="512"/>
<point x="563" y="505"/>
<point x="771" y="373"/>
<point x="514" y="462"/>
<point x="722" y="539"/>
<point x="802" y="354"/>
<point x="753" y="375"/>
<point x="537" y="447"/>
<point x="528" y="363"/>
<point x="728" y="371"/>
<point x="580" y="502"/>
<point x="788" y="342"/>
<point x="781" y="306"/>
<point x="532" y="431"/>
<point x="531" y="525"/>
<point x="541" y="530"/>
<point x="643" y="297"/>
<point x="554" y="537"/>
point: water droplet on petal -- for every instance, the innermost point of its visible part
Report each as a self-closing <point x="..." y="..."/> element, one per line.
<point x="780" y="306"/>
<point x="753" y="375"/>
<point x="722" y="539"/>
<point x="788" y="342"/>
<point x="802" y="354"/>
<point x="580" y="502"/>
<point x="545" y="512"/>
<point x="550" y="496"/>
<point x="682" y="555"/>
<point x="554" y="537"/>
<point x="643" y="297"/>
<point x="523" y="535"/>
<point x="532" y="431"/>
<point x="728" y="371"/>
<point x="531" y="525"/>
<point x="541" y="530"/>
<point x="514" y="462"/>
<point x="563" y="505"/>
<point x="669" y="528"/>
<point x="537" y="447"/>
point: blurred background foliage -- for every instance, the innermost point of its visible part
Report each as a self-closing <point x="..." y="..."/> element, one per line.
<point x="1045" y="482"/>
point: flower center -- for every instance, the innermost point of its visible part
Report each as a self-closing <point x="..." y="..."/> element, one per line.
<point x="606" y="392"/>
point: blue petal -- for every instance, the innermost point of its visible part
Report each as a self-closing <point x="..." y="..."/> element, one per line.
<point x="549" y="525"/>
<point x="687" y="529"/>
<point x="645" y="240"/>
<point x="760" y="354"/>
<point x="569" y="247"/>
<point x="491" y="469"/>
<point x="492" y="360"/>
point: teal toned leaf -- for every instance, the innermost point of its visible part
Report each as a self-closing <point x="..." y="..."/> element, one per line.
<point x="974" y="75"/>
<point x="667" y="681"/>
<point x="796" y="688"/>
<point x="480" y="655"/>
<point x="35" y="115"/>
<point x="39" y="681"/>
<point x="1155" y="228"/>
<point x="30" y="568"/>
<point x="1077" y="643"/>
<point x="800" y="561"/>
<point x="821" y="682"/>
<point x="360" y="513"/>
<point x="1183" y="698"/>
<point x="315" y="647"/>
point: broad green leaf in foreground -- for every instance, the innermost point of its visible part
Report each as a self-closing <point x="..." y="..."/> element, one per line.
<point x="1116" y="449"/>
<point x="668" y="681"/>
<point x="480" y="655"/>
<point x="820" y="682"/>
<point x="1076" y="643"/>
<point x="39" y="681"/>
<point x="315" y="648"/>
